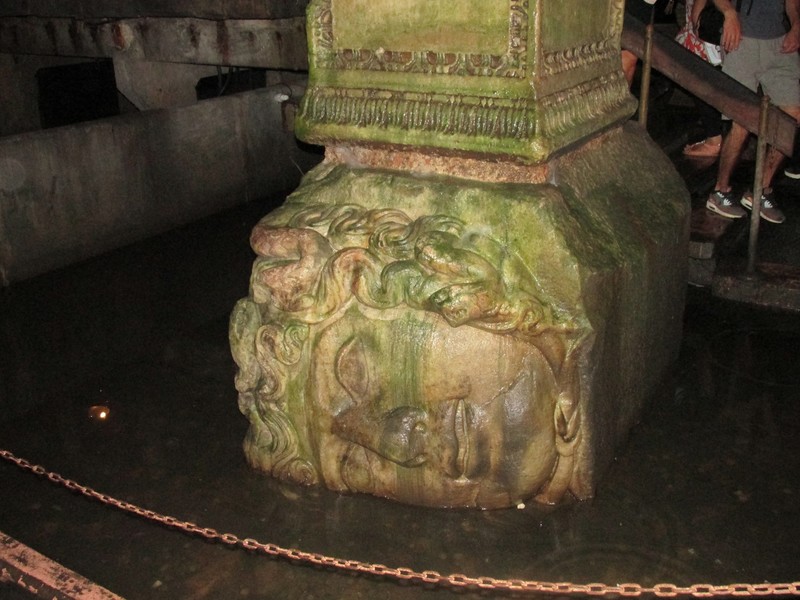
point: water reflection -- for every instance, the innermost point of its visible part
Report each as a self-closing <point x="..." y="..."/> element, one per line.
<point x="99" y="413"/>
<point x="705" y="491"/>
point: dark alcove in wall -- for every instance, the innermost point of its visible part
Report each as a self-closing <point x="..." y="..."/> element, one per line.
<point x="78" y="92"/>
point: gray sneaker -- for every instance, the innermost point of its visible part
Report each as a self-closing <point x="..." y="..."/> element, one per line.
<point x="769" y="208"/>
<point x="724" y="203"/>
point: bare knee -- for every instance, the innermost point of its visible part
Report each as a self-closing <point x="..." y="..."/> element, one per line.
<point x="629" y="65"/>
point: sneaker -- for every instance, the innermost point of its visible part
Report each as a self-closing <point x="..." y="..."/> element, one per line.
<point x="769" y="209"/>
<point x="792" y="171"/>
<point x="723" y="203"/>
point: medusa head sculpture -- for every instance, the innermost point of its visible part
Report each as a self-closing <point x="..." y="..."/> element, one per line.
<point x="410" y="358"/>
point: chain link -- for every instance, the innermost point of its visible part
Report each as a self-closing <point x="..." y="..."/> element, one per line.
<point x="455" y="580"/>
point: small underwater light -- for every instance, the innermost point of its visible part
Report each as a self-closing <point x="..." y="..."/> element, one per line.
<point x="99" y="412"/>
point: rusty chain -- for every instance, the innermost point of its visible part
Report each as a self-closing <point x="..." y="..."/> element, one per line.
<point x="455" y="580"/>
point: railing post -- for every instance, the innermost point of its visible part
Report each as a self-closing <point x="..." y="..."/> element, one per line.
<point x="755" y="215"/>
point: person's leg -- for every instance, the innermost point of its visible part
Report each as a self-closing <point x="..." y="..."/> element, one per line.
<point x="729" y="155"/>
<point x="779" y="75"/>
<point x="770" y="210"/>
<point x="629" y="65"/>
<point x="792" y="168"/>
<point x="711" y="122"/>
<point x="772" y="162"/>
<point x="774" y="158"/>
<point x="742" y="65"/>
<point x="721" y="200"/>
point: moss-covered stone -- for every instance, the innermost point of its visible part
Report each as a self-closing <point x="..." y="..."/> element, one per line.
<point x="520" y="79"/>
<point x="447" y="342"/>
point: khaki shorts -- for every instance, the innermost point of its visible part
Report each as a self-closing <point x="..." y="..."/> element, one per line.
<point x="760" y="62"/>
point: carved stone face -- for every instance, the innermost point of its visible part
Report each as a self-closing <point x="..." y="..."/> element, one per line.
<point x="408" y="407"/>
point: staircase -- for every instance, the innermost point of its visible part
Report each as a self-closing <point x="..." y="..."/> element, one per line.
<point x="718" y="246"/>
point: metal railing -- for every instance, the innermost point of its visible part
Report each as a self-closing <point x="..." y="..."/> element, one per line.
<point x="771" y="125"/>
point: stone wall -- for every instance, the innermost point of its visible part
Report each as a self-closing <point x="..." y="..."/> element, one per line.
<point x="73" y="192"/>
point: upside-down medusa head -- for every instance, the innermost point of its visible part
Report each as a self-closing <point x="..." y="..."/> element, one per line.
<point x="408" y="358"/>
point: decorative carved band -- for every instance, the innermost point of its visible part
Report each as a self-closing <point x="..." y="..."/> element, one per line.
<point x="513" y="63"/>
<point x="441" y="113"/>
<point x="518" y="119"/>
<point x="580" y="56"/>
<point x="587" y="102"/>
<point x="440" y="63"/>
<point x="616" y="16"/>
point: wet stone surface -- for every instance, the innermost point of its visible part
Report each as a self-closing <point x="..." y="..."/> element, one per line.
<point x="705" y="490"/>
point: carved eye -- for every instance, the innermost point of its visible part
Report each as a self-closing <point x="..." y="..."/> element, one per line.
<point x="420" y="428"/>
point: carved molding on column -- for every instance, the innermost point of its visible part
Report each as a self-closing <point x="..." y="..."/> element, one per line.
<point x="512" y="63"/>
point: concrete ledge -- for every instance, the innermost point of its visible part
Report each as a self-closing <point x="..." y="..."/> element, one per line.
<point x="73" y="192"/>
<point x="207" y="9"/>
<point x="772" y="286"/>
<point x="272" y="44"/>
<point x="40" y="576"/>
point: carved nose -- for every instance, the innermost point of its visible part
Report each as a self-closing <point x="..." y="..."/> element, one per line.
<point x="399" y="435"/>
<point x="404" y="436"/>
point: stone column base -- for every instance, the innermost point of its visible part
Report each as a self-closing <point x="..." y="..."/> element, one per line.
<point x="440" y="340"/>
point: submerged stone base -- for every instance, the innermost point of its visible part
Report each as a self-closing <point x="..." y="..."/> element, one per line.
<point x="446" y="341"/>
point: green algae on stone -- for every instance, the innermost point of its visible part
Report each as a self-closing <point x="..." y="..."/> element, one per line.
<point x="497" y="77"/>
<point x="435" y="305"/>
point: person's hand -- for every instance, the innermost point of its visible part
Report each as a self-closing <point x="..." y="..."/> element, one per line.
<point x="731" y="31"/>
<point x="791" y="41"/>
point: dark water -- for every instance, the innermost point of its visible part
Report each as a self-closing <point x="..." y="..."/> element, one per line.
<point x="706" y="490"/>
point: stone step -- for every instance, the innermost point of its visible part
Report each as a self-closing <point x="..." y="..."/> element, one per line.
<point x="772" y="285"/>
